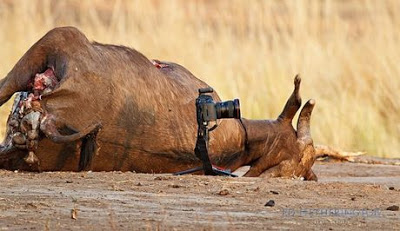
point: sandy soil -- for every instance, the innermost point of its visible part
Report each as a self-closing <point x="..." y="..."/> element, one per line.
<point x="347" y="196"/>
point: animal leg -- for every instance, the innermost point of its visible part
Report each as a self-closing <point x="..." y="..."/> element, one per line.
<point x="272" y="172"/>
<point x="51" y="51"/>
<point x="262" y="164"/>
<point x="305" y="141"/>
<point x="293" y="104"/>
<point x="310" y="175"/>
<point x="303" y="123"/>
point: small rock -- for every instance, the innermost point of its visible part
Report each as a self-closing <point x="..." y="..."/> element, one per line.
<point x="223" y="192"/>
<point x="68" y="181"/>
<point x="139" y="184"/>
<point x="353" y="198"/>
<point x="31" y="205"/>
<point x="74" y="213"/>
<point x="393" y="208"/>
<point x="270" y="203"/>
<point x="175" y="186"/>
<point x="274" y="192"/>
<point x="187" y="209"/>
<point x="391" y="188"/>
<point x="161" y="178"/>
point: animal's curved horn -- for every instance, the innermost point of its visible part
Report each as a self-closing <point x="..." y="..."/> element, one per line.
<point x="303" y="123"/>
<point x="293" y="104"/>
<point x="49" y="129"/>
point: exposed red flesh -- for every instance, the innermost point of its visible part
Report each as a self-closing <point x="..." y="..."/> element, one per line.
<point x="44" y="80"/>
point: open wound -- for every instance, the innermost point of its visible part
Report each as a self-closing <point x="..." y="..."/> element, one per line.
<point x="27" y="113"/>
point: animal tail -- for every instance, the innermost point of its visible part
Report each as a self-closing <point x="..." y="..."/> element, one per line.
<point x="88" y="149"/>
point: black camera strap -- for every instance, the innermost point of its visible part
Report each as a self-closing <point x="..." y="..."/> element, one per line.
<point x="201" y="150"/>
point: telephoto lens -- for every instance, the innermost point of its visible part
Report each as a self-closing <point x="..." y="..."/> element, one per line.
<point x="228" y="109"/>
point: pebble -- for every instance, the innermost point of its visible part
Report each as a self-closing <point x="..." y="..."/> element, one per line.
<point x="270" y="203"/>
<point x="223" y="192"/>
<point x="393" y="208"/>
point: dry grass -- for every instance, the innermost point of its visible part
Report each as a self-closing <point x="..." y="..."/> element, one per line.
<point x="348" y="53"/>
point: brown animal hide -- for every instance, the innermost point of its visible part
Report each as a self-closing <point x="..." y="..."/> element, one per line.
<point x="110" y="108"/>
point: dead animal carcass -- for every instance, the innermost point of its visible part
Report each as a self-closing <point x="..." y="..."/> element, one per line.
<point x="88" y="106"/>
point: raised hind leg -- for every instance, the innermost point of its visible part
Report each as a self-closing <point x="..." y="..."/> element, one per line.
<point x="292" y="104"/>
<point x="53" y="50"/>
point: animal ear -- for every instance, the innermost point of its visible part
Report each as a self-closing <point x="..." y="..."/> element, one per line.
<point x="293" y="103"/>
<point x="303" y="123"/>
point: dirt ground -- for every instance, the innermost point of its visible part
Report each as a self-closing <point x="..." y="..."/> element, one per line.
<point x="347" y="196"/>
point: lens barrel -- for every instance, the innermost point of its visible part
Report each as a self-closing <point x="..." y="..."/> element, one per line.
<point x="228" y="109"/>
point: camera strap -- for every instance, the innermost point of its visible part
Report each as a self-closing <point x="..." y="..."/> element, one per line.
<point x="201" y="151"/>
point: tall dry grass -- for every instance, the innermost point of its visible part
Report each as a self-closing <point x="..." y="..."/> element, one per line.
<point x="348" y="53"/>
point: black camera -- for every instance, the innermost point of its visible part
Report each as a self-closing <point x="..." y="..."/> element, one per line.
<point x="208" y="110"/>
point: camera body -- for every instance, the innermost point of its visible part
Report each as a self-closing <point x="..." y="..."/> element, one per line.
<point x="208" y="110"/>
